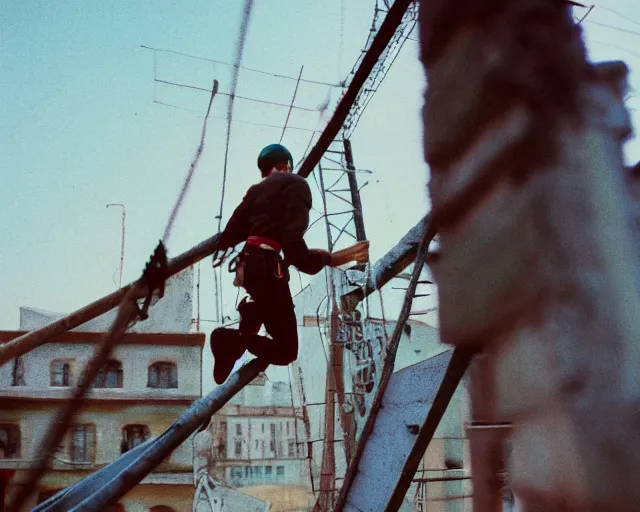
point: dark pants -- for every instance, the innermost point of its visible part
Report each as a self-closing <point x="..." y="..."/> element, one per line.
<point x="267" y="282"/>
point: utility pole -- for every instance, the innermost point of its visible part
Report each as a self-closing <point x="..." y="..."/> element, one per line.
<point x="355" y="192"/>
<point x="124" y="216"/>
<point x="328" y="465"/>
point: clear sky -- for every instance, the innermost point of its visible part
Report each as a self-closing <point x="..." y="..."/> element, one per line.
<point x="80" y="129"/>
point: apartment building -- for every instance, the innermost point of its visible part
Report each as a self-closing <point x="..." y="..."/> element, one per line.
<point x="259" y="446"/>
<point x="153" y="375"/>
<point x="146" y="385"/>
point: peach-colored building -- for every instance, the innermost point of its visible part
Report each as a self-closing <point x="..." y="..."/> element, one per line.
<point x="148" y="383"/>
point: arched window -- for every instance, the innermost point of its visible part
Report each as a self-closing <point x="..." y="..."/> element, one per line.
<point x="9" y="441"/>
<point x="163" y="375"/>
<point x="133" y="435"/>
<point x="110" y="376"/>
<point x="60" y="372"/>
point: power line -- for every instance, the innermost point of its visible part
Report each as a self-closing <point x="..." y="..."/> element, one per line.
<point x="618" y="13"/>
<point x="295" y="92"/>
<point x="233" y="95"/>
<point x="631" y="52"/>
<point x="612" y="27"/>
<point x="164" y="104"/>
<point x="253" y="70"/>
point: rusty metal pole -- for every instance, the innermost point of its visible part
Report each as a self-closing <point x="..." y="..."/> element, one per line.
<point x="358" y="218"/>
<point x="486" y="437"/>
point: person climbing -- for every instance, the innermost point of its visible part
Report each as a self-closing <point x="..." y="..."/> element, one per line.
<point x="272" y="217"/>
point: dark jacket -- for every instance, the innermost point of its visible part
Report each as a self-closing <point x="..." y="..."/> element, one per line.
<point x="277" y="208"/>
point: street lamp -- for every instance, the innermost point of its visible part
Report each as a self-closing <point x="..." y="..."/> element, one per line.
<point x="124" y="215"/>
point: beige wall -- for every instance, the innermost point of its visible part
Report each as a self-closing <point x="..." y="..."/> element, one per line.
<point x="252" y="432"/>
<point x="34" y="419"/>
<point x="33" y="407"/>
<point x="135" y="361"/>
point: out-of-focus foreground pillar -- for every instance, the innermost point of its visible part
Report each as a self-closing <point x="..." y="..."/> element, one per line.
<point x="539" y="246"/>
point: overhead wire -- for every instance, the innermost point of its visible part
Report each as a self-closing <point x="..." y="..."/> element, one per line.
<point x="164" y="104"/>
<point x="253" y="70"/>
<point x="232" y="95"/>
<point x="620" y="14"/>
<point x="295" y="92"/>
<point x="621" y="48"/>
<point x="612" y="27"/>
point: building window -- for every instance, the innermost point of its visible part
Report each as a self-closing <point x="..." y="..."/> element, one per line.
<point x="263" y="428"/>
<point x="257" y="444"/>
<point x="110" y="376"/>
<point x="238" y="448"/>
<point x="235" y="476"/>
<point x="279" y="473"/>
<point x="17" y="373"/>
<point x="268" y="472"/>
<point x="82" y="443"/>
<point x="163" y="375"/>
<point x="292" y="448"/>
<point x="287" y="428"/>
<point x="133" y="435"/>
<point x="9" y="442"/>
<point x="272" y="442"/>
<point x="60" y="373"/>
<point x="238" y="429"/>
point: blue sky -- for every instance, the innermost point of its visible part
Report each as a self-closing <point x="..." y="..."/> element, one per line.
<point x="80" y="128"/>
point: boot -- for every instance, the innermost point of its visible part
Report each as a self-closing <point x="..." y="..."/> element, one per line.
<point x="227" y="346"/>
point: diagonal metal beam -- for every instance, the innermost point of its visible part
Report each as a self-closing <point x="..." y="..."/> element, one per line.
<point x="458" y="365"/>
<point x="105" y="487"/>
<point x="387" y="372"/>
<point x="383" y="37"/>
<point x="391" y="264"/>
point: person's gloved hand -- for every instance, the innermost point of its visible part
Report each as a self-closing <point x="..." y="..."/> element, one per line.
<point x="358" y="253"/>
